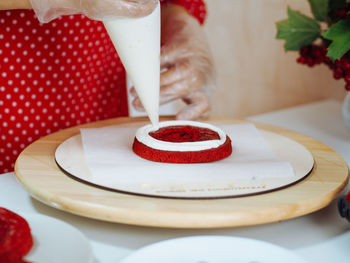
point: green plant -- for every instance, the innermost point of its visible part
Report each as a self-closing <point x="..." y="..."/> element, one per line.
<point x="316" y="45"/>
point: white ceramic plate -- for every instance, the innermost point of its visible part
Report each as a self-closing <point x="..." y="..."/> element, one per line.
<point x="213" y="249"/>
<point x="56" y="241"/>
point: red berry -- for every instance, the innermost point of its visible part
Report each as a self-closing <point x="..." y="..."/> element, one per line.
<point x="331" y="66"/>
<point x="340" y="12"/>
<point x="347" y="78"/>
<point x="310" y="62"/>
<point x="301" y="60"/>
<point x="317" y="52"/>
<point x="304" y="51"/>
<point x="346" y="65"/>
<point x="347" y="87"/>
<point x="337" y="75"/>
<point x="327" y="60"/>
<point x="343" y="59"/>
<point x="324" y="51"/>
<point x="339" y="71"/>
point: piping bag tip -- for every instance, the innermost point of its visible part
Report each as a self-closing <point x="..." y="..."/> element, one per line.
<point x="155" y="124"/>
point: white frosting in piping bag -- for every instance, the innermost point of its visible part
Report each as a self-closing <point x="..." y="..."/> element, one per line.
<point x="143" y="136"/>
<point x="137" y="41"/>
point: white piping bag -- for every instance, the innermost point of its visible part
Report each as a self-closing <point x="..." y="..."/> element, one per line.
<point x="137" y="41"/>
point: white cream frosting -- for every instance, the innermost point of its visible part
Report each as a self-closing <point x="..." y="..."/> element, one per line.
<point x="143" y="136"/>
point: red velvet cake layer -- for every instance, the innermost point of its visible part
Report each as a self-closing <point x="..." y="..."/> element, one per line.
<point x="178" y="134"/>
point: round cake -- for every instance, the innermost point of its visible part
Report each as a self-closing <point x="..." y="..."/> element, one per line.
<point x="15" y="237"/>
<point x="182" y="142"/>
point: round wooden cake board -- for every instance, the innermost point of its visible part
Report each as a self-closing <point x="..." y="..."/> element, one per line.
<point x="38" y="172"/>
<point x="187" y="181"/>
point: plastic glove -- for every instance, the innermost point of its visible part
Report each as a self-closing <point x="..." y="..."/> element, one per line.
<point x="187" y="70"/>
<point x="47" y="10"/>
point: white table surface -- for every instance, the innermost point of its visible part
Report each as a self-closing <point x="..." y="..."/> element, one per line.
<point x="320" y="237"/>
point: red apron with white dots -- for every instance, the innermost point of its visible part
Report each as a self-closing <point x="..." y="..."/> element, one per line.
<point x="57" y="75"/>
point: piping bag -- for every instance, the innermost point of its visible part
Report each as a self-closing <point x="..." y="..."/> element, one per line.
<point x="137" y="41"/>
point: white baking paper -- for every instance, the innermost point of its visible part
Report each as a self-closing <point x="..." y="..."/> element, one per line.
<point x="109" y="155"/>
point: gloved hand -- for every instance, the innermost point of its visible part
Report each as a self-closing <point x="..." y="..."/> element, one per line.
<point x="187" y="70"/>
<point x="47" y="10"/>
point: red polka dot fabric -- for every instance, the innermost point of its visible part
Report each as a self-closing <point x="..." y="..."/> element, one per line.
<point x="54" y="76"/>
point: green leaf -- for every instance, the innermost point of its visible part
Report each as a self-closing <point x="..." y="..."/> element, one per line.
<point x="319" y="9"/>
<point x="298" y="30"/>
<point x="339" y="33"/>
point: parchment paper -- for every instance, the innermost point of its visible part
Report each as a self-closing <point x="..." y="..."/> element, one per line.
<point x="109" y="155"/>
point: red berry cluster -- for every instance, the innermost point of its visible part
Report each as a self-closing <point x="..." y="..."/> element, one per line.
<point x="342" y="13"/>
<point x="312" y="55"/>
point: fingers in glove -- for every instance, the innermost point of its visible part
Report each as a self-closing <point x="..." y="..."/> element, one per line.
<point x="176" y="91"/>
<point x="47" y="10"/>
<point x="137" y="104"/>
<point x="141" y="7"/>
<point x="123" y="8"/>
<point x="198" y="107"/>
<point x="175" y="73"/>
<point x="169" y="54"/>
<point x="174" y="84"/>
<point x="133" y="92"/>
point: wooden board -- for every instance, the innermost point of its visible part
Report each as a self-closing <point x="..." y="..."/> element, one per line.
<point x="152" y="179"/>
<point x="37" y="171"/>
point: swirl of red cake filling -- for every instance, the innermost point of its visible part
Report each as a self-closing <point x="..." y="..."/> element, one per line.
<point x="182" y="142"/>
<point x="184" y="134"/>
